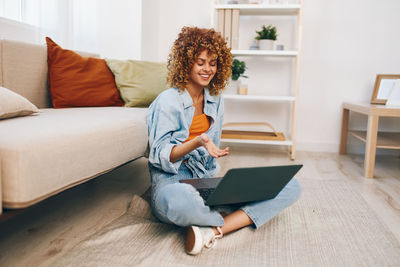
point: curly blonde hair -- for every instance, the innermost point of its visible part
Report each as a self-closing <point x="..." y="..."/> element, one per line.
<point x="190" y="43"/>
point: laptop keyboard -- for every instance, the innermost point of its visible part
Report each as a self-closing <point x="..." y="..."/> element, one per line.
<point x="205" y="192"/>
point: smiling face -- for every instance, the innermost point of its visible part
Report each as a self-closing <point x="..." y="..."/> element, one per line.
<point x="203" y="70"/>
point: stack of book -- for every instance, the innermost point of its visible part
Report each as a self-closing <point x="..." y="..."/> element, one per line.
<point x="228" y="26"/>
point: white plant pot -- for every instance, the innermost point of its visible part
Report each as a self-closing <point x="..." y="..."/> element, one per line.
<point x="266" y="44"/>
<point x="232" y="87"/>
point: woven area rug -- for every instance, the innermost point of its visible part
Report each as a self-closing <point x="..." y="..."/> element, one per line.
<point x="330" y="225"/>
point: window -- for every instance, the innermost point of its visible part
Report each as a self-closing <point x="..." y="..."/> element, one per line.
<point x="11" y="9"/>
<point x="26" y="11"/>
<point x="86" y="25"/>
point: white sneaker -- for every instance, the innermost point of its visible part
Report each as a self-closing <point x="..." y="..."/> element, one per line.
<point x="199" y="237"/>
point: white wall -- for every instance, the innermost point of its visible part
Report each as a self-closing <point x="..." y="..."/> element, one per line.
<point x="163" y="20"/>
<point x="344" y="45"/>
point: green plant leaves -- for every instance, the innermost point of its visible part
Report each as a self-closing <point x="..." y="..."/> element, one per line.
<point x="268" y="32"/>
<point x="238" y="68"/>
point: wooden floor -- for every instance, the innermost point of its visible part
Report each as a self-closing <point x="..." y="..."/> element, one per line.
<point x="54" y="226"/>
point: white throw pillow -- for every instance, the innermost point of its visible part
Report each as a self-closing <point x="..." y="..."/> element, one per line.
<point x="14" y="105"/>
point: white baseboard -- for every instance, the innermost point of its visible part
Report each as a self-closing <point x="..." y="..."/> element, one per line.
<point x="352" y="148"/>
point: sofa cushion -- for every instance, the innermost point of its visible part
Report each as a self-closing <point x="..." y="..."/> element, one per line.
<point x="14" y="105"/>
<point x="139" y="82"/>
<point x="60" y="148"/>
<point x="77" y="81"/>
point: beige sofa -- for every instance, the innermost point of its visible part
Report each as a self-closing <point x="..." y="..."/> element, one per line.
<point x="55" y="149"/>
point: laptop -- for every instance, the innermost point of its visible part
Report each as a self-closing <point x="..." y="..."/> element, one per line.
<point x="241" y="185"/>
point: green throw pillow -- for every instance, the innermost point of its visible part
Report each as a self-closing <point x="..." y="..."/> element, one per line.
<point x="139" y="82"/>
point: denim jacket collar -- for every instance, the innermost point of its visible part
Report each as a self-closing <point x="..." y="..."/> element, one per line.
<point x="187" y="99"/>
<point x="208" y="97"/>
<point x="188" y="102"/>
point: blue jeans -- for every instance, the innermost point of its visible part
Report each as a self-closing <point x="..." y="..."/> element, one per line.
<point x="181" y="204"/>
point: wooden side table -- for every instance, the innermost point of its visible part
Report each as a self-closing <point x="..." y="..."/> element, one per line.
<point x="371" y="137"/>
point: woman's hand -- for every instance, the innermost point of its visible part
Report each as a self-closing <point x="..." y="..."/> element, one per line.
<point x="212" y="149"/>
<point x="178" y="151"/>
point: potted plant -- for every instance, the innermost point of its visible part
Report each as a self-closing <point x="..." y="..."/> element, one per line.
<point x="238" y="68"/>
<point x="266" y="37"/>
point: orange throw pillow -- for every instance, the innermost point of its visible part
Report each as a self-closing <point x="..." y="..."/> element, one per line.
<point x="77" y="81"/>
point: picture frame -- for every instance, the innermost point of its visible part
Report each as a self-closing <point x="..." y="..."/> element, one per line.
<point x="383" y="87"/>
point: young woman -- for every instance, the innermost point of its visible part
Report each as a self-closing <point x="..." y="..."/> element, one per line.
<point x="184" y="125"/>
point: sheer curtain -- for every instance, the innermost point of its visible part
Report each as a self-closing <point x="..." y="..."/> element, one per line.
<point x="109" y="28"/>
<point x="70" y="23"/>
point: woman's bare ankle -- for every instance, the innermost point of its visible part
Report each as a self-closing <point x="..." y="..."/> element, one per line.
<point x="215" y="231"/>
<point x="218" y="232"/>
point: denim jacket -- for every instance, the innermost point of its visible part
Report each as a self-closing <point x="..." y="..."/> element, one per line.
<point x="168" y="120"/>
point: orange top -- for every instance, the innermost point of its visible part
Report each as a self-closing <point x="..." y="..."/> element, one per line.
<point x="200" y="124"/>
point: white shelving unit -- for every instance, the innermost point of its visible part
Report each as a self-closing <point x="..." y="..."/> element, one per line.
<point x="259" y="142"/>
<point x="291" y="100"/>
